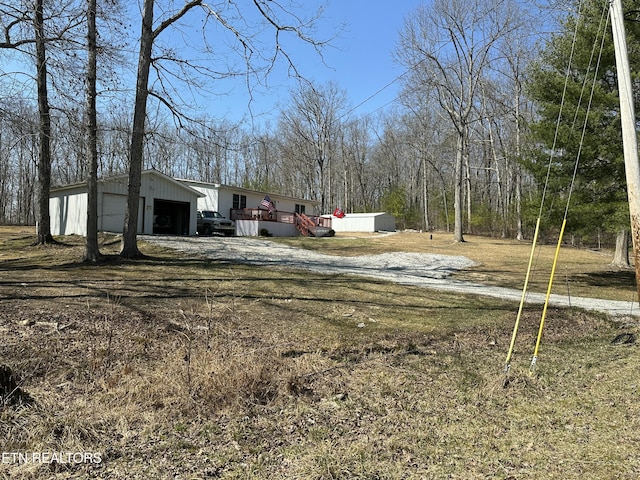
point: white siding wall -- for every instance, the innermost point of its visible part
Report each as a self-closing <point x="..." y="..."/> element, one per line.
<point x="116" y="185"/>
<point x="364" y="222"/>
<point x="253" y="199"/>
<point x="157" y="187"/>
<point x="68" y="211"/>
<point x="113" y="210"/>
<point x="385" y="223"/>
<point x="220" y="198"/>
<point x="225" y="201"/>
<point x="282" y="204"/>
<point x="210" y="199"/>
<point x="251" y="228"/>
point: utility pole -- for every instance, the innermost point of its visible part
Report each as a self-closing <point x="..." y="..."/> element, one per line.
<point x="629" y="135"/>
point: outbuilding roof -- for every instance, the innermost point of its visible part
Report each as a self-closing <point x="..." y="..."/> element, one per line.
<point x="124" y="176"/>
<point x="359" y="215"/>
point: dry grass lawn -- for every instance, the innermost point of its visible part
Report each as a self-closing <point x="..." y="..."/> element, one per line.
<point x="183" y="368"/>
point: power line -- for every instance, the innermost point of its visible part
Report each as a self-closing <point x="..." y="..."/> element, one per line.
<point x="379" y="91"/>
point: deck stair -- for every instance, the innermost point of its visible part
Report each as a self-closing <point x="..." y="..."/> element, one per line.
<point x="309" y="228"/>
<point x="303" y="224"/>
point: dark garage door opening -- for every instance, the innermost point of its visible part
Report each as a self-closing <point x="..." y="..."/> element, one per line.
<point x="171" y="218"/>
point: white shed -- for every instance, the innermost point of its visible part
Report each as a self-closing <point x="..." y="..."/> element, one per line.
<point x="364" y="222"/>
<point x="166" y="206"/>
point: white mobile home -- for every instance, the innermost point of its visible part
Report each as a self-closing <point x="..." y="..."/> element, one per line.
<point x="247" y="209"/>
<point x="227" y="200"/>
<point x="166" y="206"/>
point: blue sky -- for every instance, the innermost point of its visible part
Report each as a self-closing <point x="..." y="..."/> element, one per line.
<point x="364" y="61"/>
<point x="359" y="60"/>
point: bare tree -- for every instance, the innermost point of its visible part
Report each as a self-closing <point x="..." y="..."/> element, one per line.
<point x="18" y="161"/>
<point x="129" y="237"/>
<point x="312" y="123"/>
<point x="353" y="177"/>
<point x="44" y="163"/>
<point x="23" y="28"/>
<point x="92" y="249"/>
<point x="260" y="154"/>
<point x="518" y="49"/>
<point x="12" y="21"/>
<point x="115" y="140"/>
<point x="450" y="45"/>
<point x="427" y="139"/>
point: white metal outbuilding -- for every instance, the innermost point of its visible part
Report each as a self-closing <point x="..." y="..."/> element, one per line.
<point x="364" y="222"/>
<point x="166" y="206"/>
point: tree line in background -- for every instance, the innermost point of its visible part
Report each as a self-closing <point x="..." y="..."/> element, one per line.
<point x="465" y="148"/>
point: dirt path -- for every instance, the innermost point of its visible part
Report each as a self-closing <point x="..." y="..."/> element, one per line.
<point x="417" y="269"/>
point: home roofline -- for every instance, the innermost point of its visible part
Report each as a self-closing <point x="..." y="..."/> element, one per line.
<point x="247" y="190"/>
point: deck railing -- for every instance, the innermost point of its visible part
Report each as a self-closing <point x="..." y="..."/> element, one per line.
<point x="306" y="225"/>
<point x="263" y="215"/>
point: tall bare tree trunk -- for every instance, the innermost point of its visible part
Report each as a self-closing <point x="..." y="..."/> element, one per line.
<point x="518" y="199"/>
<point x="621" y="255"/>
<point x="129" y="236"/>
<point x="425" y="194"/>
<point x="147" y="37"/>
<point x="44" y="153"/>
<point x="457" y="191"/>
<point x="518" y="169"/>
<point x="467" y="188"/>
<point x="92" y="249"/>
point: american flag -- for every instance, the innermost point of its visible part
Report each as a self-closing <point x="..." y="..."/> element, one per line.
<point x="266" y="202"/>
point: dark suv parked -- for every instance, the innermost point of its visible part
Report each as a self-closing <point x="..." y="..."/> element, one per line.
<point x="210" y="222"/>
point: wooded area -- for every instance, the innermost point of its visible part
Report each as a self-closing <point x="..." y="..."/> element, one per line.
<point x="463" y="149"/>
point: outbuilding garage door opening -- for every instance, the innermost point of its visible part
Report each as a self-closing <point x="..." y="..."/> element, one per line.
<point x="171" y="218"/>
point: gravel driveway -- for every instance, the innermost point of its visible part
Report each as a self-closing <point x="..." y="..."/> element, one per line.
<point x="417" y="269"/>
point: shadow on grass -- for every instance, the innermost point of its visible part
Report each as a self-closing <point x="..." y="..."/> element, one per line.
<point x="174" y="279"/>
<point x="612" y="278"/>
<point x="106" y="260"/>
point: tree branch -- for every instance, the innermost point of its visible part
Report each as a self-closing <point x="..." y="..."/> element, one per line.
<point x="169" y="21"/>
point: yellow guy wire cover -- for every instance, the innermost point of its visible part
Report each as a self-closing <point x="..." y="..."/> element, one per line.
<point x="546" y="301"/>
<point x="524" y="295"/>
